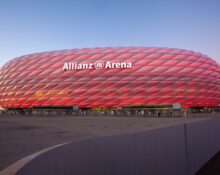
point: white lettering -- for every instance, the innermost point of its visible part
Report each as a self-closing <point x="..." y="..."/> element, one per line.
<point x="90" y="66"/>
<point x="97" y="65"/>
<point x="113" y="65"/>
<point x="129" y="65"/>
<point x="118" y="65"/>
<point x="79" y="66"/>
<point x="108" y="65"/>
<point x="123" y="65"/>
<point x="65" y="66"/>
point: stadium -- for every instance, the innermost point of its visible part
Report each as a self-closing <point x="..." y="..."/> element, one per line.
<point x="111" y="78"/>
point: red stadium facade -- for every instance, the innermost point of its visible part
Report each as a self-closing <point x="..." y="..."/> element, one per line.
<point x="110" y="78"/>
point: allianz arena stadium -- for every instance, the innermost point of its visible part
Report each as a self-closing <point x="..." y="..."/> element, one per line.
<point x="114" y="77"/>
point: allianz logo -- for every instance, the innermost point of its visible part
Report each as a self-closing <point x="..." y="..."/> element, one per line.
<point x="97" y="65"/>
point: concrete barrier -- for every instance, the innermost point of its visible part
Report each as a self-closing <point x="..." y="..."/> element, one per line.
<point x="180" y="149"/>
<point x="202" y="141"/>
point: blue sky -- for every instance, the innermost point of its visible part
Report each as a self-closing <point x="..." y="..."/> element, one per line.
<point x="28" y="26"/>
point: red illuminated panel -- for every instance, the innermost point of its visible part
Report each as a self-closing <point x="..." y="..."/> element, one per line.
<point x="157" y="76"/>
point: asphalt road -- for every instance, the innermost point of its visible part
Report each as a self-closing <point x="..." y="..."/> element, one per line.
<point x="22" y="136"/>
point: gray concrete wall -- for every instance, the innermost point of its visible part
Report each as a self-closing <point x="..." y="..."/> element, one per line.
<point x="202" y="142"/>
<point x="180" y="149"/>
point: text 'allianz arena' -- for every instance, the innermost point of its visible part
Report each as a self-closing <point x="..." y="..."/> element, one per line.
<point x="110" y="77"/>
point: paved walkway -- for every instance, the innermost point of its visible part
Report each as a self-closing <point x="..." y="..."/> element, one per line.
<point x="22" y="136"/>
